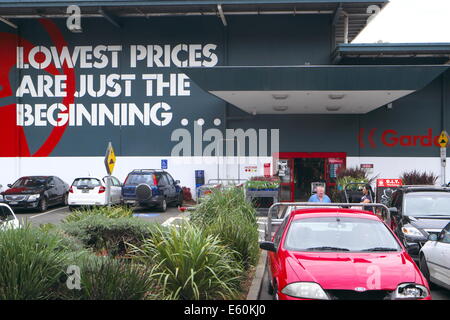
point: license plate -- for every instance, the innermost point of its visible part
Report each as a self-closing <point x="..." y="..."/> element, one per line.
<point x="85" y="191"/>
<point x="13" y="202"/>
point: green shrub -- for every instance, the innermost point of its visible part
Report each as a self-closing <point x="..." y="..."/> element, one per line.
<point x="190" y="264"/>
<point x="241" y="237"/>
<point x="109" y="212"/>
<point x="32" y="263"/>
<point x="47" y="227"/>
<point x="102" y="233"/>
<point x="228" y="215"/>
<point x="262" y="185"/>
<point x="103" y="278"/>
<point x="416" y="177"/>
<point x="224" y="202"/>
<point x="354" y="172"/>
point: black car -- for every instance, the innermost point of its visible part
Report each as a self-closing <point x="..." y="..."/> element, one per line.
<point x="36" y="192"/>
<point x="151" y="187"/>
<point x="417" y="212"/>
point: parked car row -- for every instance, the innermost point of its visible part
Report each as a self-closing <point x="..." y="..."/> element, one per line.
<point x="142" y="187"/>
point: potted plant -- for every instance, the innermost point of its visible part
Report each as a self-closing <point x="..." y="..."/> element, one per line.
<point x="262" y="183"/>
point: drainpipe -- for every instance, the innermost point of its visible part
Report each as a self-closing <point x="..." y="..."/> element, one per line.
<point x="346" y="18"/>
<point x="443" y="101"/>
<point x="443" y="124"/>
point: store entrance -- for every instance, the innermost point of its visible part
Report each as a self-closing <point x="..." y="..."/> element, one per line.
<point x="307" y="171"/>
<point x="299" y="172"/>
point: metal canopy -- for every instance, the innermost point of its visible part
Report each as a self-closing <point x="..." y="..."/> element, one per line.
<point x="49" y="3"/>
<point x="392" y="50"/>
<point x="313" y="89"/>
<point x="348" y="28"/>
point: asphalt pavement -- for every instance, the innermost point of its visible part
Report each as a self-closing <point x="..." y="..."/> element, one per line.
<point x="55" y="215"/>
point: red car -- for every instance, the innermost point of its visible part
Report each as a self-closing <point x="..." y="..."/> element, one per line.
<point x="333" y="253"/>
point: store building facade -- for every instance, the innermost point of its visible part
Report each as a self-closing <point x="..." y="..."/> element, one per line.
<point x="182" y="81"/>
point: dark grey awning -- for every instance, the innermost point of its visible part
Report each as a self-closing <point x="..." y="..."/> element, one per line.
<point x="49" y="3"/>
<point x="313" y="89"/>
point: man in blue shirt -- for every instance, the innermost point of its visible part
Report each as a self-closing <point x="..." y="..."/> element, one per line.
<point x="319" y="196"/>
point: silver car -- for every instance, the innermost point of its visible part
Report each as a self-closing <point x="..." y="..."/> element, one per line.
<point x="8" y="219"/>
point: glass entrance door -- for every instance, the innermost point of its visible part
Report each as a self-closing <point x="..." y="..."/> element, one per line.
<point x="286" y="175"/>
<point x="299" y="169"/>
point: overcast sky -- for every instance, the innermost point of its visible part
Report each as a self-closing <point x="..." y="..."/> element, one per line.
<point x="409" y="21"/>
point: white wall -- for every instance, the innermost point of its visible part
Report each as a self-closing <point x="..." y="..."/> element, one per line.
<point x="393" y="167"/>
<point x="183" y="169"/>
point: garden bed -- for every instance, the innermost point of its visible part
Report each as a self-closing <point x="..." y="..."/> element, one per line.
<point x="122" y="257"/>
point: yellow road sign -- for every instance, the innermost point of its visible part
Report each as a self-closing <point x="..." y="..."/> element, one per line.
<point x="443" y="139"/>
<point x="110" y="159"/>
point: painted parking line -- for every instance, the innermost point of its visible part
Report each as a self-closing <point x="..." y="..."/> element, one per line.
<point x="41" y="214"/>
<point x="146" y="215"/>
<point x="172" y="221"/>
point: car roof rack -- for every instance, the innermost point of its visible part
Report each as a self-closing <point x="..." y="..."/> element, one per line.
<point x="147" y="170"/>
<point x="346" y="205"/>
<point x="420" y="186"/>
<point x="425" y="187"/>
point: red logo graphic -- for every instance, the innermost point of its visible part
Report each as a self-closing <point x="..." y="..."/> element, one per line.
<point x="391" y="138"/>
<point x="13" y="142"/>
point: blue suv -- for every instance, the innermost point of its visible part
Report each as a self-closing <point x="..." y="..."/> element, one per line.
<point x="150" y="188"/>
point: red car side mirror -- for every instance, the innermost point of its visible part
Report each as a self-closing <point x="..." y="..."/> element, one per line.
<point x="268" y="245"/>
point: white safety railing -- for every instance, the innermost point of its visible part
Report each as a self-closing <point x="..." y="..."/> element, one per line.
<point x="277" y="221"/>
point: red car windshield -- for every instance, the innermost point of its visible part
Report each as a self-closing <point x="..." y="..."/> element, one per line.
<point x="345" y="234"/>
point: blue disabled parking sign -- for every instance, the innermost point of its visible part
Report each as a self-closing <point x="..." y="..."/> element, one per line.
<point x="163" y="163"/>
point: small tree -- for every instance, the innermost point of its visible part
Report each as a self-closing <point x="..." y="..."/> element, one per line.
<point x="345" y="176"/>
<point x="416" y="177"/>
<point x="352" y="175"/>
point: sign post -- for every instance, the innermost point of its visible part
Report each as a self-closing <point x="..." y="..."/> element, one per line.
<point x="443" y="141"/>
<point x="110" y="162"/>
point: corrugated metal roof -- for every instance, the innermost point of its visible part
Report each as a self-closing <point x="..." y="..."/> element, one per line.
<point x="397" y="50"/>
<point x="357" y="10"/>
<point x="49" y="3"/>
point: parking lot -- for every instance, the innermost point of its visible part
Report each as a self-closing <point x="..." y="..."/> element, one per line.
<point x="56" y="214"/>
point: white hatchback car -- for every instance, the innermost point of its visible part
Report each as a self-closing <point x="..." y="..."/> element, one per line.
<point x="91" y="191"/>
<point x="435" y="258"/>
<point x="8" y="219"/>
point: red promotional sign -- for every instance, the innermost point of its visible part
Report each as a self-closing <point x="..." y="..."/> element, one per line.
<point x="267" y="172"/>
<point x="389" y="183"/>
